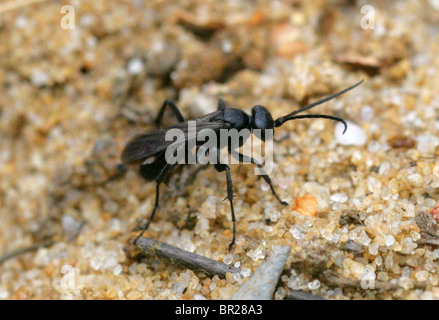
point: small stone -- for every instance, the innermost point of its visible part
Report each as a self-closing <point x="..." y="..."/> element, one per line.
<point x="246" y="272"/>
<point x="388" y="262"/>
<point x="427" y="143"/>
<point x="135" y="66"/>
<point x="357" y="269"/>
<point x="421" y="275"/>
<point x="415" y="180"/>
<point x="294" y="283"/>
<point x="117" y="269"/>
<point x="39" y="78"/>
<point x="367" y="113"/>
<point x="256" y="254"/>
<point x="368" y="274"/>
<point x="297" y="233"/>
<point x="319" y="192"/>
<point x="373" y="248"/>
<point x="339" y="197"/>
<point x="373" y="184"/>
<point x="354" y="135"/>
<point x="4" y="294"/>
<point x="390" y="240"/>
<point x="405" y="272"/>
<point x="272" y="214"/>
<point x="314" y="285"/>
<point x="415" y="235"/>
<point x="364" y="239"/>
<point x="134" y="295"/>
<point x="228" y="259"/>
<point x="69" y="224"/>
<point x="263" y="282"/>
<point x="434" y="4"/>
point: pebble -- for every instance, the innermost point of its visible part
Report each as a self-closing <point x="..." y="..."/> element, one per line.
<point x="39" y="78"/>
<point x="262" y="284"/>
<point x="416" y="180"/>
<point x="427" y="143"/>
<point x="339" y="197"/>
<point x="135" y="66"/>
<point x="364" y="239"/>
<point x="354" y="136"/>
<point x="434" y="4"/>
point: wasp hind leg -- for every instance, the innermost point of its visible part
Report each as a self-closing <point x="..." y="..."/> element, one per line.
<point x="220" y="168"/>
<point x="159" y="180"/>
<point x="174" y="109"/>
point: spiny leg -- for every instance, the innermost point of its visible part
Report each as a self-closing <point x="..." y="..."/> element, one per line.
<point x="174" y="110"/>
<point x="156" y="205"/>
<point x="159" y="180"/>
<point x="244" y="158"/>
<point x="220" y="168"/>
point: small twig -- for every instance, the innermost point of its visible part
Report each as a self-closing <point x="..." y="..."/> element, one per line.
<point x="332" y="279"/>
<point x="433" y="242"/>
<point x="184" y="258"/>
<point x="302" y="295"/>
<point x="17" y="252"/>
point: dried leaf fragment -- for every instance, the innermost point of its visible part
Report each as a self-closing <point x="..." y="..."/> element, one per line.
<point x="307" y="206"/>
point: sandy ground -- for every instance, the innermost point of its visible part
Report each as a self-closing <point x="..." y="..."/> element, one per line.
<point x="71" y="98"/>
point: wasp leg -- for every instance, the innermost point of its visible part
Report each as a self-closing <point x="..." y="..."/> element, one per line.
<point x="243" y="158"/>
<point x="159" y="180"/>
<point x="221" y="104"/>
<point x="220" y="168"/>
<point x="174" y="110"/>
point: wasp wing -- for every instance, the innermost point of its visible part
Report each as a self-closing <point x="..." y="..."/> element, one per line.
<point x="144" y="146"/>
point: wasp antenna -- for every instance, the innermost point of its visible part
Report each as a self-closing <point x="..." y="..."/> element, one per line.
<point x="291" y="116"/>
<point x="322" y="116"/>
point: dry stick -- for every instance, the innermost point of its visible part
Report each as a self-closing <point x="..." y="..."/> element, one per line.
<point x="33" y="247"/>
<point x="30" y="248"/>
<point x="332" y="279"/>
<point x="184" y="258"/>
<point x="433" y="242"/>
<point x="302" y="295"/>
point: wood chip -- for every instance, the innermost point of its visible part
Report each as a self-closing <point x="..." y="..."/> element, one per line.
<point x="184" y="258"/>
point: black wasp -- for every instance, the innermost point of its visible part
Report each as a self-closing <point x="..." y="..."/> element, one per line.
<point x="148" y="149"/>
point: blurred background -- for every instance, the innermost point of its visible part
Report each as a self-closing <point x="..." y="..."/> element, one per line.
<point x="79" y="78"/>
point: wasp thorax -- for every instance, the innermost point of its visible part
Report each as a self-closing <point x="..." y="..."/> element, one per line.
<point x="237" y="119"/>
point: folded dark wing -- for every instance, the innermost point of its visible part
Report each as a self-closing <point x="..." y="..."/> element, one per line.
<point x="151" y="143"/>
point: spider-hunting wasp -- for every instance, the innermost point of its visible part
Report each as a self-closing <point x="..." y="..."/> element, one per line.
<point x="149" y="149"/>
